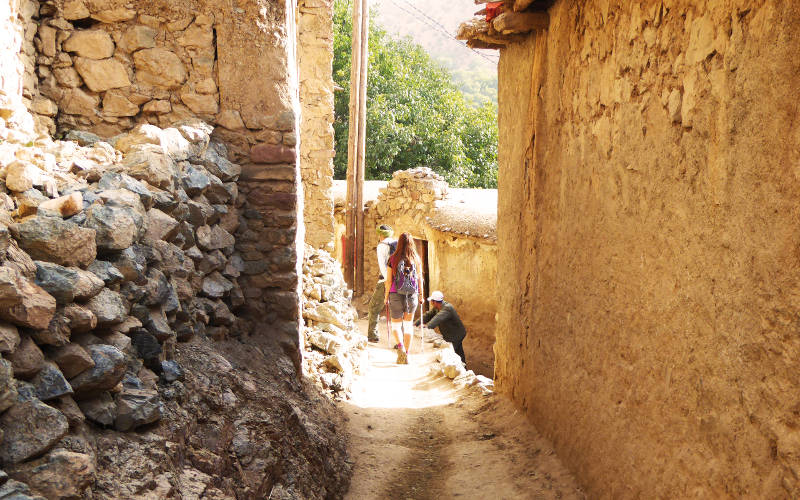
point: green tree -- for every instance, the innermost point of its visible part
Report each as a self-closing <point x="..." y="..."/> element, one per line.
<point x="416" y="116"/>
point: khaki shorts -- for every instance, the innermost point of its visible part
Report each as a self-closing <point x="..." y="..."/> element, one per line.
<point x="400" y="304"/>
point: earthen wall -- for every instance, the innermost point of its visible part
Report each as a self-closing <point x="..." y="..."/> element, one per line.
<point x="648" y="191"/>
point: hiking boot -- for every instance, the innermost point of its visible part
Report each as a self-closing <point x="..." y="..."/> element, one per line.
<point x="373" y="338"/>
<point x="402" y="357"/>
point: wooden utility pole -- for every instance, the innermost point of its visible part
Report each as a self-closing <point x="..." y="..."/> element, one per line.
<point x="352" y="148"/>
<point x="356" y="143"/>
<point x="362" y="142"/>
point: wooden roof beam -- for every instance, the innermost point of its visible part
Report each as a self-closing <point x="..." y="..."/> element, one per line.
<point x="520" y="22"/>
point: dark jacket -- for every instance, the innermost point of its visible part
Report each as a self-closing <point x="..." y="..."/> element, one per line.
<point x="446" y="318"/>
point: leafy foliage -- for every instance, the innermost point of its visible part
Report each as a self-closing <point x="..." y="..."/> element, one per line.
<point x="416" y="116"/>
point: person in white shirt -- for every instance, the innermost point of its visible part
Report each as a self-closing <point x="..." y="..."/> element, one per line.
<point x="385" y="249"/>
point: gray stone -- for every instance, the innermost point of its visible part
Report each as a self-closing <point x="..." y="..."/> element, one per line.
<point x="67" y="284"/>
<point x="108" y="370"/>
<point x="216" y="192"/>
<point x="15" y="490"/>
<point x="57" y="332"/>
<point x="100" y="409"/>
<point x="147" y="347"/>
<point x="50" y="383"/>
<point x="116" y="180"/>
<point x="221" y="315"/>
<point x="155" y="322"/>
<point x="216" y="162"/>
<point x="72" y="359"/>
<point x="213" y="238"/>
<point x="131" y="263"/>
<point x="117" y="227"/>
<point x="137" y="407"/>
<point x="30" y="428"/>
<point x="171" y="371"/>
<point x="195" y="180"/>
<point x="106" y="272"/>
<point x="216" y="286"/>
<point x="55" y="240"/>
<point x="81" y="137"/>
<point x="109" y="307"/>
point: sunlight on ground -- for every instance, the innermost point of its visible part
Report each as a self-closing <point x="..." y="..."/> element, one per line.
<point x="389" y="385"/>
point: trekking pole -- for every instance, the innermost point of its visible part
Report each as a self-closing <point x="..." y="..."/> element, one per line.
<point x="388" y="328"/>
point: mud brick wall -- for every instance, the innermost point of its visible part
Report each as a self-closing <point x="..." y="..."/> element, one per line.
<point x="649" y="198"/>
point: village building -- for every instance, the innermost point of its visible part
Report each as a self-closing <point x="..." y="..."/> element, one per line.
<point x="454" y="230"/>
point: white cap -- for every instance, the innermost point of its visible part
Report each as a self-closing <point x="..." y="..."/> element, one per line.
<point x="436" y="296"/>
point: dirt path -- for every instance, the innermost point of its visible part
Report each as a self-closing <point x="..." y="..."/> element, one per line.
<point x="413" y="435"/>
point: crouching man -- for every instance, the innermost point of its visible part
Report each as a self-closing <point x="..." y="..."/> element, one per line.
<point x="444" y="316"/>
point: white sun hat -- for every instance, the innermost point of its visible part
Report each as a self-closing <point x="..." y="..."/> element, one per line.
<point x="436" y="296"/>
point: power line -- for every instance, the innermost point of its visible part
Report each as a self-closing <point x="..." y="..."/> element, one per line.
<point x="436" y="25"/>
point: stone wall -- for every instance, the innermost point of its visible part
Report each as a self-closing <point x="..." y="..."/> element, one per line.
<point x="648" y="220"/>
<point x="315" y="51"/>
<point x="108" y="65"/>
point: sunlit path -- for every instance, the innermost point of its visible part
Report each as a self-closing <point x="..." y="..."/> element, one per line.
<point x="414" y="435"/>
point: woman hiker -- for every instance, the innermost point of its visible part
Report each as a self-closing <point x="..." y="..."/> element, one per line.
<point x="404" y="294"/>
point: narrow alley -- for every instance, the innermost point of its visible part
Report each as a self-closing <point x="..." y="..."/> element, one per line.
<point x="415" y="435"/>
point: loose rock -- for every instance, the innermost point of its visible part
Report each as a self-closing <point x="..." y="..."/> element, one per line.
<point x="108" y="370"/>
<point x="30" y="428"/>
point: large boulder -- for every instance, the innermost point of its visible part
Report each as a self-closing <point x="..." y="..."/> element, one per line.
<point x="137" y="407"/>
<point x="108" y="370"/>
<point x="109" y="308"/>
<point x="67" y="284"/>
<point x="30" y="428"/>
<point x="55" y="240"/>
<point x="59" y="474"/>
<point x="72" y="359"/>
<point x="22" y="302"/>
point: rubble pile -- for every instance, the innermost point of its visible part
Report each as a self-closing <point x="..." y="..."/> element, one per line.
<point x="449" y="365"/>
<point x="335" y="349"/>
<point x="110" y="253"/>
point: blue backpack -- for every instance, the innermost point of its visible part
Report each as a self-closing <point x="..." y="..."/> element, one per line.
<point x="405" y="278"/>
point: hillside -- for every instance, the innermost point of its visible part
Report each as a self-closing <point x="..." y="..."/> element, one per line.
<point x="433" y="26"/>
